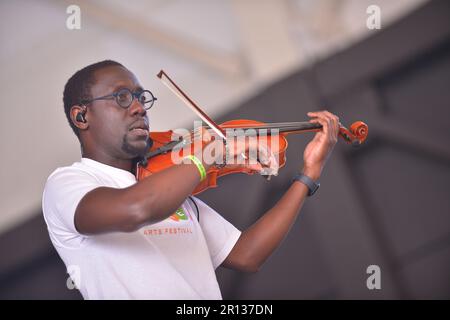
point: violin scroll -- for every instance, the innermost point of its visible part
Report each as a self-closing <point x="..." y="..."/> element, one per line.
<point x="357" y="133"/>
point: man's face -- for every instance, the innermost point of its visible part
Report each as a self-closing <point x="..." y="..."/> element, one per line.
<point x="117" y="132"/>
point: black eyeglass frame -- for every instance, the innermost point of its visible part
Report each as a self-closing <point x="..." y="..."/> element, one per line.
<point x="116" y="94"/>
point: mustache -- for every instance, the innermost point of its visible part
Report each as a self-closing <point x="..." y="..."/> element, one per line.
<point x="142" y="123"/>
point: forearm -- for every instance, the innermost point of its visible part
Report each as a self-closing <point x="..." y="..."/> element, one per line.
<point x="262" y="238"/>
<point x="161" y="194"/>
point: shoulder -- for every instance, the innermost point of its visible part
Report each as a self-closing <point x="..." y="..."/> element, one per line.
<point x="70" y="174"/>
<point x="65" y="182"/>
<point x="76" y="169"/>
<point x="64" y="189"/>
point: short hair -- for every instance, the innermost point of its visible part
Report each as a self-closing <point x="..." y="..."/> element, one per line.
<point x="78" y="87"/>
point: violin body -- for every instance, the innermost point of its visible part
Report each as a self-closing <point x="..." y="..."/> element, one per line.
<point x="277" y="144"/>
<point x="160" y="156"/>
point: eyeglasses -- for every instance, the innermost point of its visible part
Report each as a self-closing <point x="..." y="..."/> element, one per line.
<point x="124" y="98"/>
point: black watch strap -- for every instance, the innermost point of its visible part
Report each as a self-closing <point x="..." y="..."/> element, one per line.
<point x="310" y="183"/>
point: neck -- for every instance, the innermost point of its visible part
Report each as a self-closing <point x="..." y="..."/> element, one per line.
<point x="100" y="156"/>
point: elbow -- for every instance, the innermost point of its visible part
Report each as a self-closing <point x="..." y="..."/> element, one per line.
<point x="248" y="267"/>
<point x="252" y="268"/>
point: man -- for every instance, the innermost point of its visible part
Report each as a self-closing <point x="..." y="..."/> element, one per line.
<point x="144" y="240"/>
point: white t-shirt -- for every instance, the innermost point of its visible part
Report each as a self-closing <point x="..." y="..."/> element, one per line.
<point x="172" y="259"/>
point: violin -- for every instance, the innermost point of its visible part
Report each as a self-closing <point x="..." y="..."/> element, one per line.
<point x="272" y="135"/>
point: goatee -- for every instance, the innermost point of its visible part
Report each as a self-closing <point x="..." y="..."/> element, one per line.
<point x="133" y="151"/>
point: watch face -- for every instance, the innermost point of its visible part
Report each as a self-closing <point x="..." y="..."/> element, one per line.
<point x="315" y="189"/>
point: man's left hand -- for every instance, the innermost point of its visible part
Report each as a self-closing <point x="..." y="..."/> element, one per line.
<point x="319" y="149"/>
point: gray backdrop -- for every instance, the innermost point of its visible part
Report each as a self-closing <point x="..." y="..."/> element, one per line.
<point x="386" y="203"/>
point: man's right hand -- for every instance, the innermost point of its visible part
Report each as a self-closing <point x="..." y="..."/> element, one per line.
<point x="247" y="153"/>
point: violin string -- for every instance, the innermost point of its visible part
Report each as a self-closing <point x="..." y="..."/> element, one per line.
<point x="282" y="126"/>
<point x="274" y="125"/>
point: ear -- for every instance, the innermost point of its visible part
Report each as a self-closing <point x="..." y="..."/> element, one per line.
<point x="78" y="117"/>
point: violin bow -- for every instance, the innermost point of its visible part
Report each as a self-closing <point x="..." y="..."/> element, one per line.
<point x="191" y="104"/>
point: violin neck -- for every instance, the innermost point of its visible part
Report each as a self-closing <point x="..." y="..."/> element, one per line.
<point x="279" y="127"/>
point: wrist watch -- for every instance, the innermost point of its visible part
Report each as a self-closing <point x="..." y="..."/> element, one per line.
<point x="310" y="183"/>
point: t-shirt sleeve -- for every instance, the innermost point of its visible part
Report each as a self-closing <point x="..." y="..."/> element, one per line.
<point x="63" y="191"/>
<point x="220" y="235"/>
